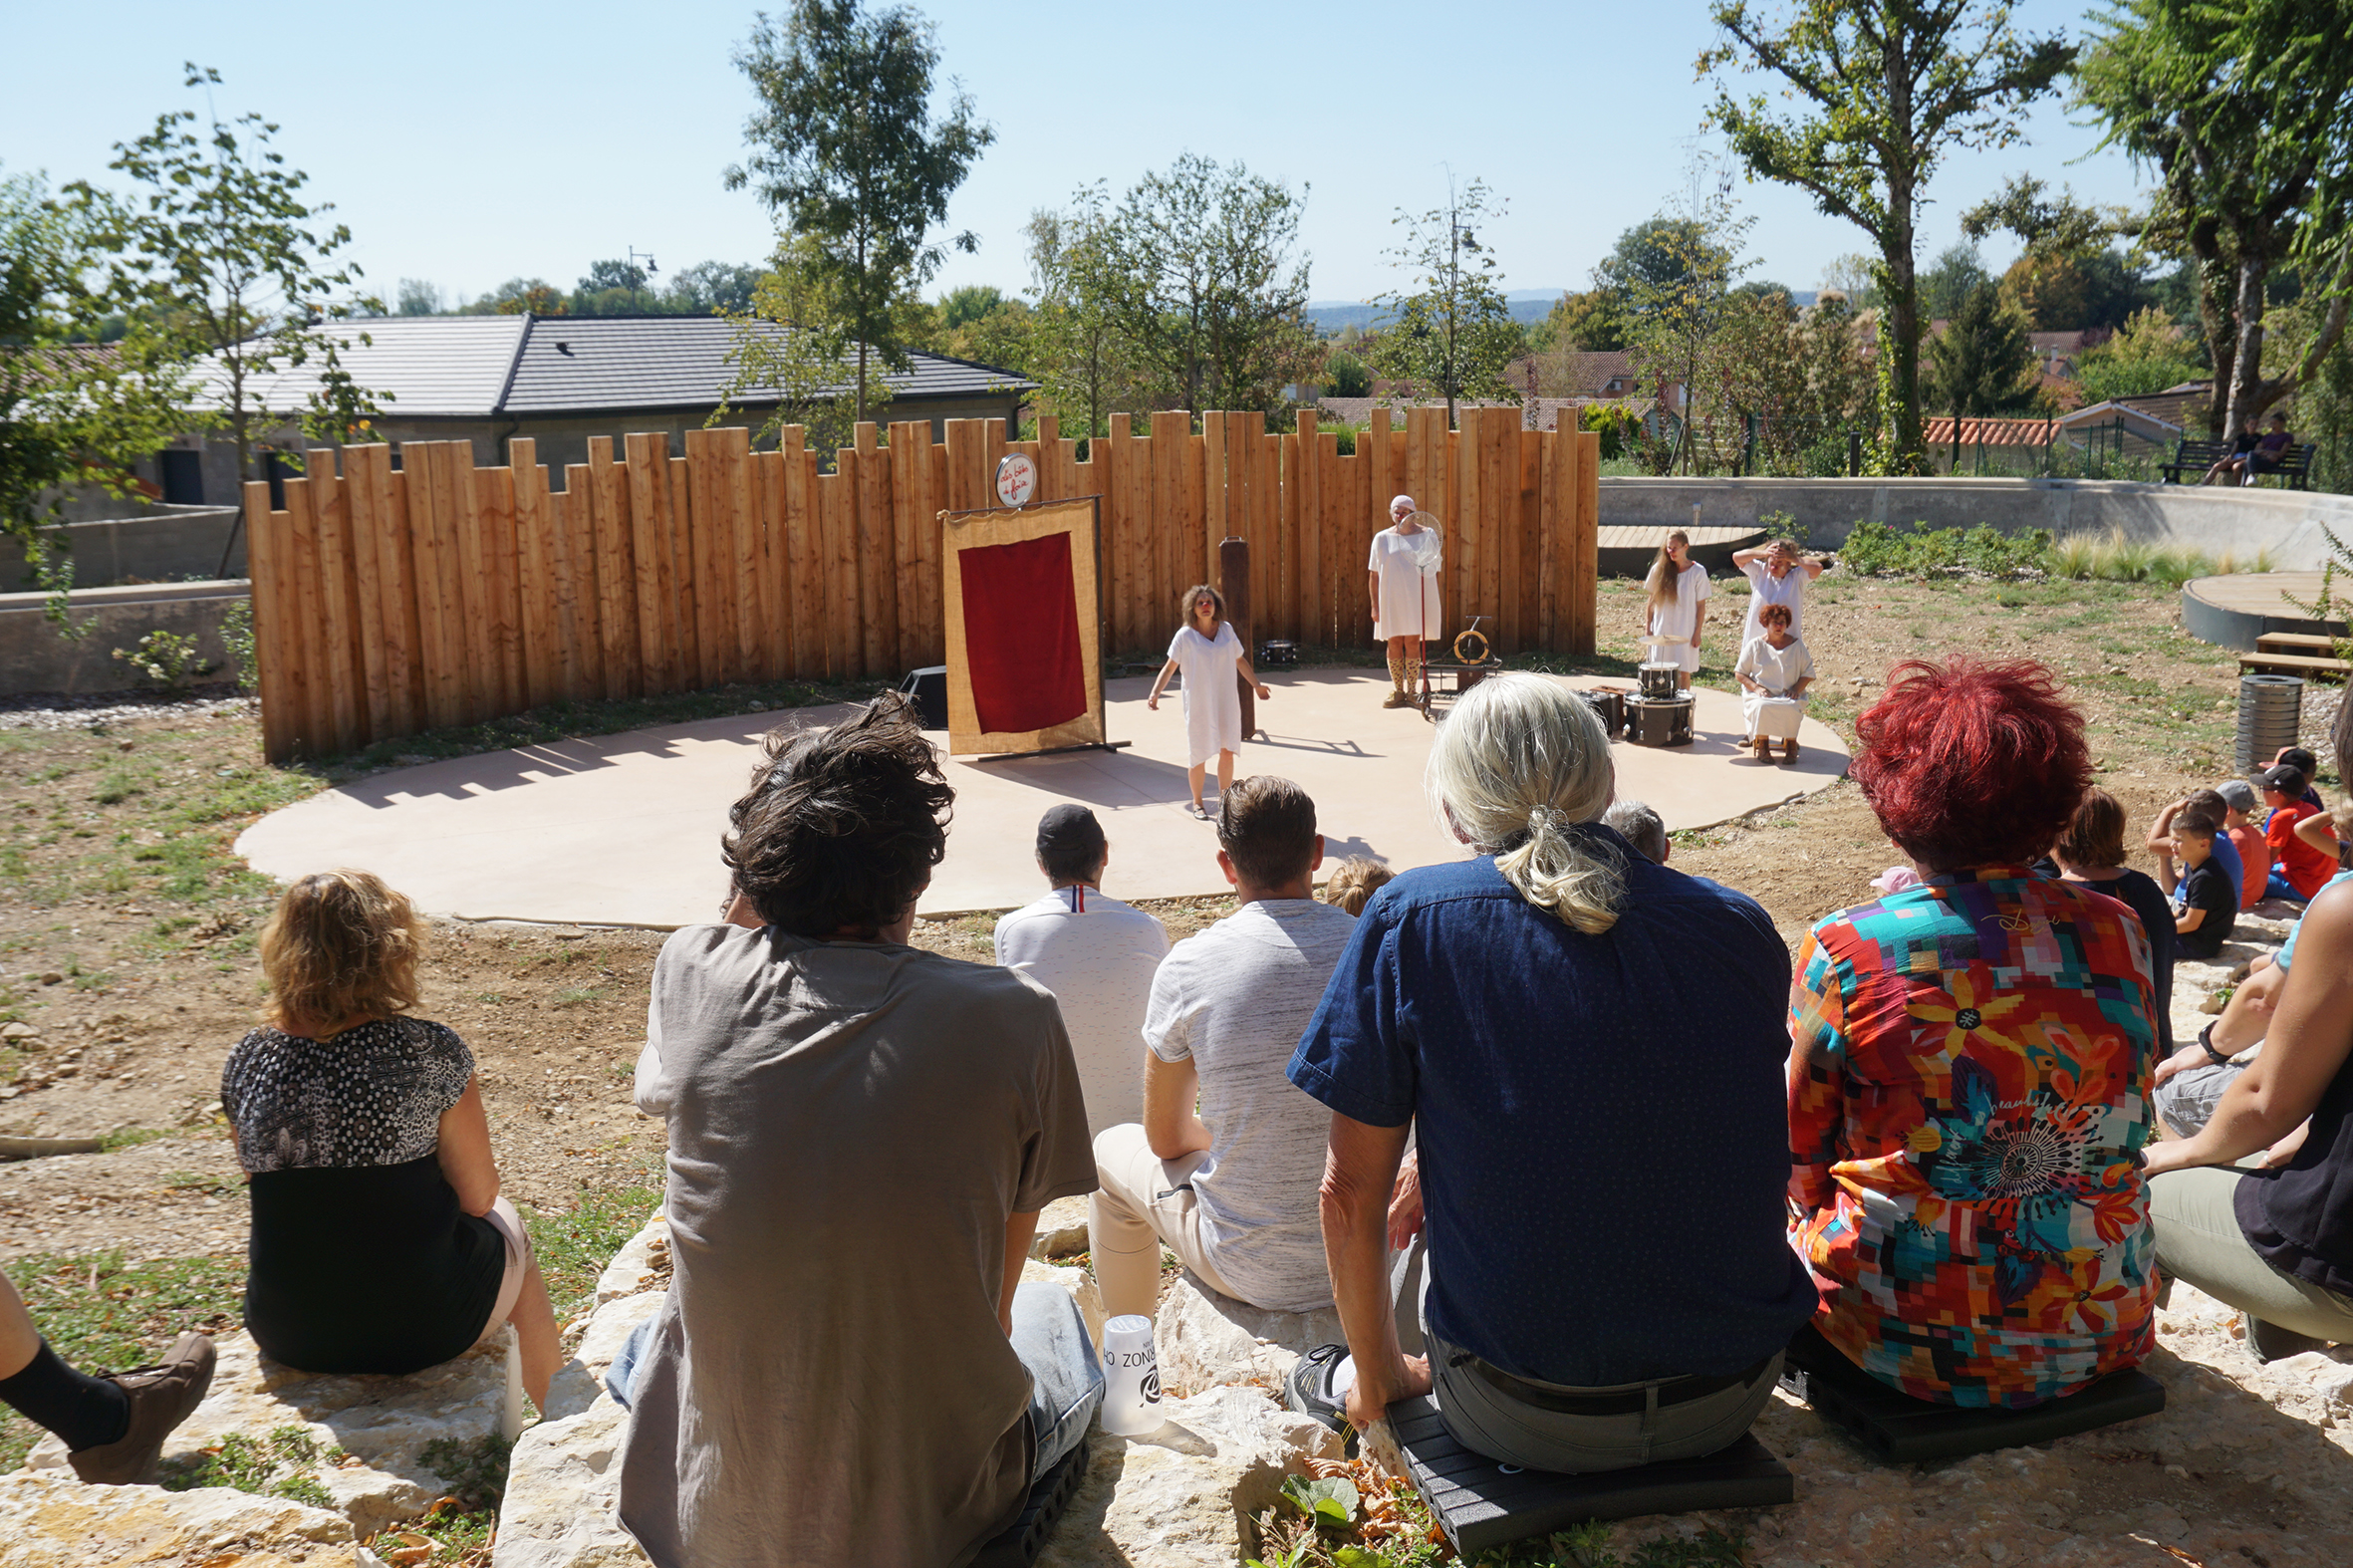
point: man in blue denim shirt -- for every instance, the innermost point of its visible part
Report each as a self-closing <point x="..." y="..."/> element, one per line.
<point x="1590" y="1047"/>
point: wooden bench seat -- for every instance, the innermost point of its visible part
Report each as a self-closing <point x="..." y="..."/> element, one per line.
<point x="1896" y="1427"/>
<point x="2295" y="663"/>
<point x="1480" y="1504"/>
<point x="2196" y="457"/>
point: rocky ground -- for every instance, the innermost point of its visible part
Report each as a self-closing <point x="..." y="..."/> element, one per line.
<point x="127" y="930"/>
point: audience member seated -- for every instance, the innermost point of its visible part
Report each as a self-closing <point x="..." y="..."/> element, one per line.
<point x="1095" y="955"/>
<point x="2210" y="805"/>
<point x="2277" y="1242"/>
<point x="112" y="1424"/>
<point x="2270" y="451"/>
<point x="2090" y="854"/>
<point x="1588" y="1046"/>
<point x="2239" y="801"/>
<point x="847" y="1369"/>
<point x="2206" y="897"/>
<point x="1354" y="882"/>
<point x="1230" y="1187"/>
<point x="1639" y="826"/>
<point x="1970" y="1066"/>
<point x="2299" y="869"/>
<point x="2307" y="768"/>
<point x="379" y="1242"/>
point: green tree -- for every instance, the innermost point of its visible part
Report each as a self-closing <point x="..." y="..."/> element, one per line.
<point x="710" y="287"/>
<point x="1888" y="87"/>
<point x="1076" y="351"/>
<point x="416" y="297"/>
<point x="1194" y="269"/>
<point x="968" y="303"/>
<point x="1450" y="329"/>
<point x="1679" y="310"/>
<point x="1345" y="374"/>
<point x="220" y="243"/>
<point x="1983" y="359"/>
<point x="2147" y="355"/>
<point x="1957" y="270"/>
<point x="1591" y="321"/>
<point x="847" y="156"/>
<point x="787" y="356"/>
<point x="73" y="413"/>
<point x="2241" y="111"/>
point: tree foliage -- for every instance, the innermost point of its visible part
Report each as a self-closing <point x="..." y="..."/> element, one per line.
<point x="2242" y="111"/>
<point x="1449" y="330"/>
<point x="847" y="156"/>
<point x="2147" y="355"/>
<point x="1983" y="359"/>
<point x="1592" y="322"/>
<point x="787" y="353"/>
<point x="73" y="413"/>
<point x="219" y="245"/>
<point x="1193" y="275"/>
<point x="1887" y="89"/>
<point x="1679" y="309"/>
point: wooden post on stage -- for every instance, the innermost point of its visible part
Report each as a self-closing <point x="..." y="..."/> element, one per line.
<point x="1233" y="581"/>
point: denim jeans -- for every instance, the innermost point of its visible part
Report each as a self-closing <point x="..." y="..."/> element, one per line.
<point x="2276" y="886"/>
<point x="1050" y="1337"/>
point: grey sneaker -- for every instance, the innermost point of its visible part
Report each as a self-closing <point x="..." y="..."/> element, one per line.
<point x="161" y="1397"/>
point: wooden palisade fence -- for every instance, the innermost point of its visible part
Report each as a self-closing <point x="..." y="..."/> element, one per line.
<point x="388" y="601"/>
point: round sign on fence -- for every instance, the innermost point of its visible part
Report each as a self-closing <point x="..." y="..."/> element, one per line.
<point x="1017" y="479"/>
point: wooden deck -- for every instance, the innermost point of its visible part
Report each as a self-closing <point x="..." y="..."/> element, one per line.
<point x="1624" y="538"/>
<point x="2239" y="608"/>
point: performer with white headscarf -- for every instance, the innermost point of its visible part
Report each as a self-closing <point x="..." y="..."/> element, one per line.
<point x="1405" y="613"/>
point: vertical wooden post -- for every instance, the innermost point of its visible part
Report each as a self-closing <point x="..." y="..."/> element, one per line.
<point x="1309" y="573"/>
<point x="588" y="572"/>
<point x="904" y="564"/>
<point x="276" y="664"/>
<point x="535" y="559"/>
<point x="1233" y="582"/>
<point x="803" y="553"/>
<point x="339" y="623"/>
<point x="616" y="572"/>
<point x="651" y="588"/>
<point x="776" y="602"/>
<point x="494" y="501"/>
<point x="731" y="490"/>
<point x="876" y="578"/>
<point x="1584" y="588"/>
<point x="365" y="520"/>
<point x="305" y="629"/>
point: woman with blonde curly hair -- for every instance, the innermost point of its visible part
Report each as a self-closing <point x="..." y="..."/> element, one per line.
<point x="1589" y="1046"/>
<point x="379" y="1242"/>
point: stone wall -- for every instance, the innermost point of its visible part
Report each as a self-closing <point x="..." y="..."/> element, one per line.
<point x="2213" y="519"/>
<point x="34" y="656"/>
<point x="151" y="543"/>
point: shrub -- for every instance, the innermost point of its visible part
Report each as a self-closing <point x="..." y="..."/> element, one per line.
<point x="168" y="659"/>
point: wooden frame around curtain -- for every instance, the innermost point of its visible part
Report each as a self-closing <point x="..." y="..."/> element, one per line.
<point x="980" y="529"/>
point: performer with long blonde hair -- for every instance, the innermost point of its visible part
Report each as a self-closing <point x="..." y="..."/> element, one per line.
<point x="1675" y="606"/>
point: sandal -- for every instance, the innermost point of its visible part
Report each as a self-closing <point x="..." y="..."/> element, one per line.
<point x="1198" y="812"/>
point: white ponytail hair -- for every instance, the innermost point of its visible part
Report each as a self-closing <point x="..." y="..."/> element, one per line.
<point x="1518" y="765"/>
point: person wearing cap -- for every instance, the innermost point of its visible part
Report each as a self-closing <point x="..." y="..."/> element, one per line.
<point x="2239" y="803"/>
<point x="1222" y="1169"/>
<point x="1095" y="954"/>
<point x="2307" y="767"/>
<point x="1404" y="572"/>
<point x="2298" y="868"/>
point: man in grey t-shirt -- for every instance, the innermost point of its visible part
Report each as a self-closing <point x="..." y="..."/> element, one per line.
<point x="1229" y="1188"/>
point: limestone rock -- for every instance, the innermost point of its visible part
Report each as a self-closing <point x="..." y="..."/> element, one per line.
<point x="1182" y="1497"/>
<point x="642" y="1264"/>
<point x="560" y="1492"/>
<point x="53" y="1521"/>
<point x="1062" y="1228"/>
<point x="384" y="1423"/>
<point x="1079" y="1283"/>
<point x="1206" y="1340"/>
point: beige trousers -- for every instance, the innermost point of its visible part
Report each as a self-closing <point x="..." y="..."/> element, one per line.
<point x="1144" y="1202"/>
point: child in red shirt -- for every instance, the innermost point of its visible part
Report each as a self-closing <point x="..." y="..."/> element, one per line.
<point x="2299" y="869"/>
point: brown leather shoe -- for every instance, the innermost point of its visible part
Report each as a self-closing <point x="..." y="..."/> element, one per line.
<point x="1398" y="699"/>
<point x="161" y="1397"/>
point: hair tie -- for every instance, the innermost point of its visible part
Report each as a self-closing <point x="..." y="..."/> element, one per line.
<point x="1546" y="817"/>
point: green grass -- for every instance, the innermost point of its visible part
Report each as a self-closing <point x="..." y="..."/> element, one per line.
<point x="574" y="1248"/>
<point x="282" y="1464"/>
<point x="133" y="1137"/>
<point x="104" y="1315"/>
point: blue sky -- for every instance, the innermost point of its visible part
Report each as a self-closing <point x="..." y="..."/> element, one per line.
<point x="468" y="143"/>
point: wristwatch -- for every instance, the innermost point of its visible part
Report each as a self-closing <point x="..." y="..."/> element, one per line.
<point x="2206" y="1041"/>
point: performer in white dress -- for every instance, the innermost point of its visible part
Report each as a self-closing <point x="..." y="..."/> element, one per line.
<point x="1777" y="573"/>
<point x="1676" y="607"/>
<point x="1208" y="654"/>
<point x="1406" y="611"/>
<point x="1774" y="672"/>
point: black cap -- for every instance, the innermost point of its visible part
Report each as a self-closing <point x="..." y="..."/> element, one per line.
<point x="1069" y="830"/>
<point x="2283" y="778"/>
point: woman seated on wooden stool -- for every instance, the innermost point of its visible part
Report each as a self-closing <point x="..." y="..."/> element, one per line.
<point x="1774" y="672"/>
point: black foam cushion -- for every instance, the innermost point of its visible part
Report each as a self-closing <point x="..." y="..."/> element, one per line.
<point x="1896" y="1426"/>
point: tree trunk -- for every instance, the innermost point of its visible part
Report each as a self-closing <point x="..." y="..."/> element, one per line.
<point x="1900" y="414"/>
<point x="2246" y="358"/>
<point x="2216" y="313"/>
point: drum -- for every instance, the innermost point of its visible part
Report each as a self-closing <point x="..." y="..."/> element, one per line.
<point x="1610" y="707"/>
<point x="1651" y="723"/>
<point x="1277" y="650"/>
<point x="1662" y="682"/>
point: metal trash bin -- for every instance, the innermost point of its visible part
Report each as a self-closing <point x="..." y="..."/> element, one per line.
<point x="2270" y="709"/>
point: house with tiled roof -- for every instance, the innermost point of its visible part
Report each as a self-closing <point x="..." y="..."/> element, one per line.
<point x="559" y="380"/>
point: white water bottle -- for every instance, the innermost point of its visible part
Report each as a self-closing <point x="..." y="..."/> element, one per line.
<point x="1131" y="1378"/>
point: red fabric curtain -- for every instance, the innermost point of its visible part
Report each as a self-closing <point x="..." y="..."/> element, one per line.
<point x="1021" y="634"/>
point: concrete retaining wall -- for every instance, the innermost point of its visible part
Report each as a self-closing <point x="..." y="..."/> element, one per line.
<point x="2213" y="519"/>
<point x="34" y="658"/>
<point x="158" y="544"/>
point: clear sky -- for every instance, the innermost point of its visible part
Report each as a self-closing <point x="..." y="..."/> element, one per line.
<point x="466" y="143"/>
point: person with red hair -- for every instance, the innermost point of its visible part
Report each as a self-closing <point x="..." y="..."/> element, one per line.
<point x="1970" y="1067"/>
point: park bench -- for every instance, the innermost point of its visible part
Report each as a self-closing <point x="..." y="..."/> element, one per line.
<point x="2196" y="457"/>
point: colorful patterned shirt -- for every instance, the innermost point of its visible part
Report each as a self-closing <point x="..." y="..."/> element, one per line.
<point x="1969" y="1073"/>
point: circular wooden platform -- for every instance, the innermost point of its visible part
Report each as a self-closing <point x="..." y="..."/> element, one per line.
<point x="2234" y="610"/>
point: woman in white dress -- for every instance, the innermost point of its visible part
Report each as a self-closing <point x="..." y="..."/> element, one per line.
<point x="1208" y="654"/>
<point x="1777" y="573"/>
<point x="1676" y="607"/>
<point x="1774" y="672"/>
<point x="1406" y="611"/>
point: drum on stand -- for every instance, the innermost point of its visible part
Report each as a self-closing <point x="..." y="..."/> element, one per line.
<point x="1662" y="682"/>
<point x="1651" y="721"/>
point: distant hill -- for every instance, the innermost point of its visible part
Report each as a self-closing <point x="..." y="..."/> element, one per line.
<point x="1528" y="304"/>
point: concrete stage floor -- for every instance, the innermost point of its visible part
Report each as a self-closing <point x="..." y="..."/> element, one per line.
<point x="624" y="830"/>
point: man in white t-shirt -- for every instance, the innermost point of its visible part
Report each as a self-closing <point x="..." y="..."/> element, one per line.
<point x="1095" y="955"/>
<point x="1230" y="1187"/>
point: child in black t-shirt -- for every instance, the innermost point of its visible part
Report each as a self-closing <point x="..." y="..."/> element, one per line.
<point x="2206" y="904"/>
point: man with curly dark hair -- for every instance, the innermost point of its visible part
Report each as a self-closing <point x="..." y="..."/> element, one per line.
<point x="848" y="1370"/>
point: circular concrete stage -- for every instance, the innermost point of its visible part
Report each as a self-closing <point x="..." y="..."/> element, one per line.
<point x="624" y="830"/>
<point x="2234" y="610"/>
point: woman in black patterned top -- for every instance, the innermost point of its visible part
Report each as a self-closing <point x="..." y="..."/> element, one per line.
<point x="380" y="1241"/>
